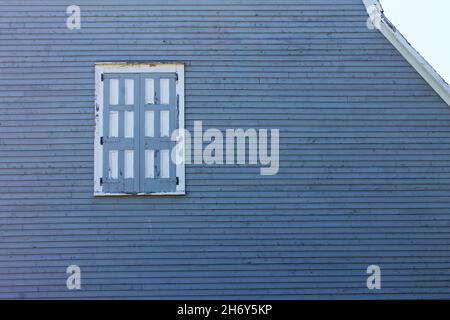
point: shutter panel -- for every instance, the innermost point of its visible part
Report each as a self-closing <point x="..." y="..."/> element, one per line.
<point x="159" y="118"/>
<point x="121" y="133"/>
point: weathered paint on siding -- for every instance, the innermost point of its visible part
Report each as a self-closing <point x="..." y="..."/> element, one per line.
<point x="365" y="156"/>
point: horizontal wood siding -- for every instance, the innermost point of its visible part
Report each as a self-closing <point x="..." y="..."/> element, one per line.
<point x="365" y="158"/>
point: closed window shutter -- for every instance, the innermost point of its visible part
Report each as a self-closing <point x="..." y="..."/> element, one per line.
<point x="140" y="113"/>
<point x="121" y="133"/>
<point x="159" y="118"/>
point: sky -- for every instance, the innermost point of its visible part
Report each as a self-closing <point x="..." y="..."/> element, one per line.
<point x="426" y="25"/>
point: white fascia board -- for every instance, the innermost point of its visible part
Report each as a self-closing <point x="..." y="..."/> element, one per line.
<point x="419" y="63"/>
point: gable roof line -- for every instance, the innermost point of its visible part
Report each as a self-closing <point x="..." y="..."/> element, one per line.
<point x="379" y="20"/>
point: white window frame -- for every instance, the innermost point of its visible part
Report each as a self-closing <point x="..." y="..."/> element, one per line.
<point x="114" y="67"/>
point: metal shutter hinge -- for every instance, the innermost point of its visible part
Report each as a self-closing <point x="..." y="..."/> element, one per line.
<point x="101" y="141"/>
<point x="101" y="77"/>
<point x="101" y="181"/>
<point x="178" y="181"/>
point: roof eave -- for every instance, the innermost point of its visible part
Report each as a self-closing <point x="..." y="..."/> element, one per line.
<point x="419" y="63"/>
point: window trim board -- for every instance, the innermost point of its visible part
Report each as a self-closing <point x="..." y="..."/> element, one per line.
<point x="114" y="67"/>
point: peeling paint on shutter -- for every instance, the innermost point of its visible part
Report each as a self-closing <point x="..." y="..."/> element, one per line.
<point x="159" y="119"/>
<point x="121" y="133"/>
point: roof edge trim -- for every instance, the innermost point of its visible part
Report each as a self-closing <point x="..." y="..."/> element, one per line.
<point x="379" y="20"/>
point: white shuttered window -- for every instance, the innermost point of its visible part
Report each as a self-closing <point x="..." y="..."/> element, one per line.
<point x="138" y="108"/>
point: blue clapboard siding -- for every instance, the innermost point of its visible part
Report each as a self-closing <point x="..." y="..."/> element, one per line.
<point x="365" y="158"/>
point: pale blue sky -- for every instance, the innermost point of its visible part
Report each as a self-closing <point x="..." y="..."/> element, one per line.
<point x="426" y="25"/>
